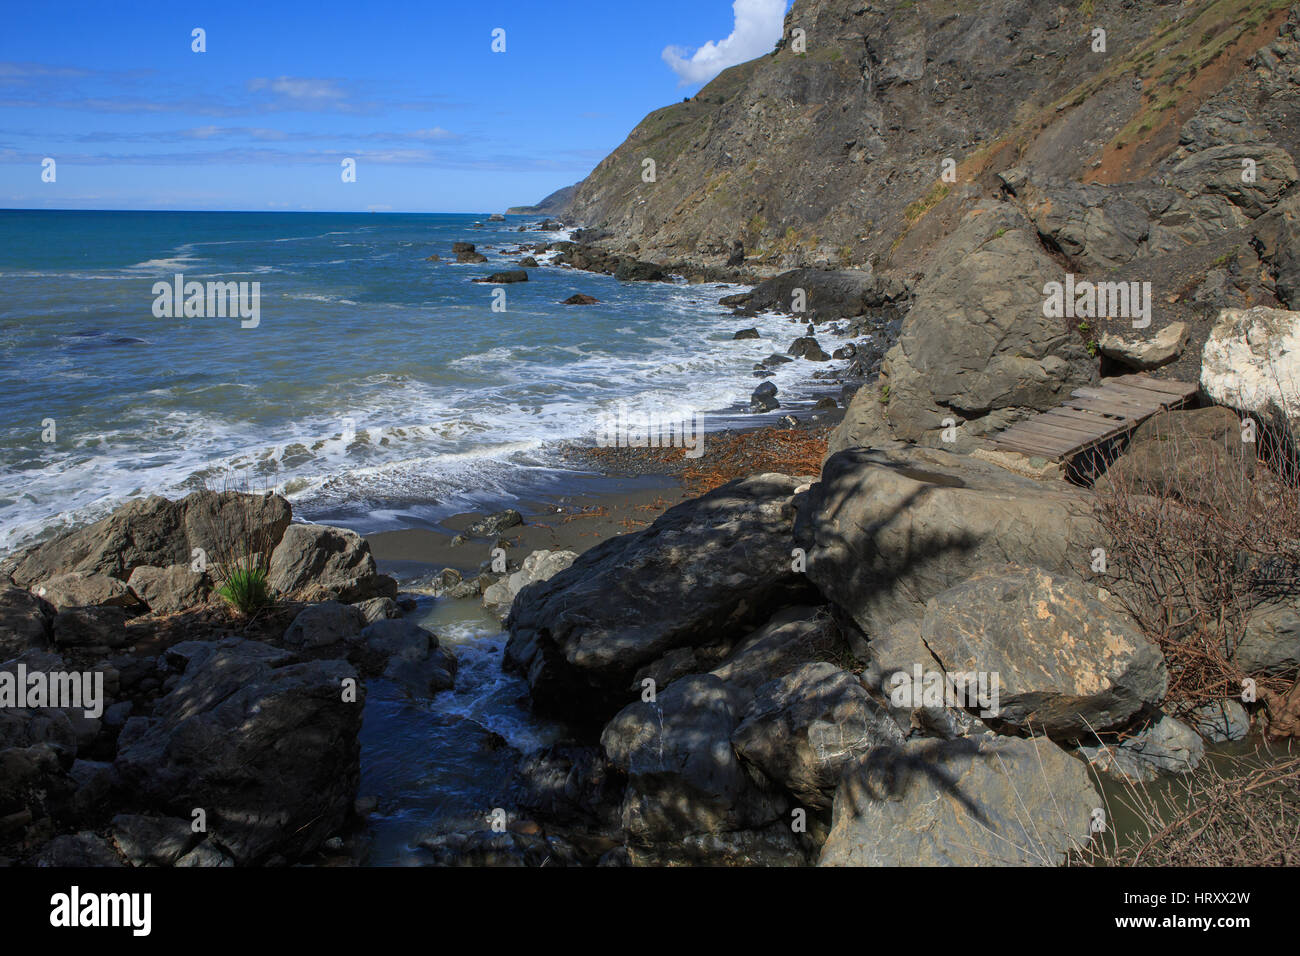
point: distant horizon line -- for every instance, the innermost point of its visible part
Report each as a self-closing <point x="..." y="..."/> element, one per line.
<point x="281" y="212"/>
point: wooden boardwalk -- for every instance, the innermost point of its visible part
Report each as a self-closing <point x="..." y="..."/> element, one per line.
<point x="1093" y="415"/>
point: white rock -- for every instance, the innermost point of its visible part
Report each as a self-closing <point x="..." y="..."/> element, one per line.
<point x="1251" y="362"/>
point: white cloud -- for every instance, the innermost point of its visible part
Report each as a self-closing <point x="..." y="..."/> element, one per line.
<point x="758" y="26"/>
<point x="298" y="88"/>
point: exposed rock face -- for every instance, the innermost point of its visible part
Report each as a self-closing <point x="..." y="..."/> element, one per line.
<point x="1251" y="362"/>
<point x="986" y="801"/>
<point x="80" y="589"/>
<point x="570" y="784"/>
<point x="1067" y="664"/>
<point x="268" y="749"/>
<point x="320" y="625"/>
<point x="794" y="636"/>
<point x="1278" y="236"/>
<point x="172" y="589"/>
<point x="683" y="775"/>
<point x="157" y="532"/>
<point x="803" y="729"/>
<point x="826" y="295"/>
<point x="317" y="561"/>
<point x="829" y="153"/>
<point x="976" y="350"/>
<point x="704" y="572"/>
<point x="1270" y="643"/>
<point x="1145" y="354"/>
<point x="888" y="529"/>
<point x="538" y="566"/>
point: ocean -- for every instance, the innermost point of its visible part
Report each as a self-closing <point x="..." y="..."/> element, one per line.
<point x="377" y="390"/>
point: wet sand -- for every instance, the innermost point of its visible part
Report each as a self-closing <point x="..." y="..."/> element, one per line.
<point x="597" y="507"/>
<point x="612" y="492"/>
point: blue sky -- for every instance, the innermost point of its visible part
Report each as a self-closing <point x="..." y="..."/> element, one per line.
<point x="435" y="120"/>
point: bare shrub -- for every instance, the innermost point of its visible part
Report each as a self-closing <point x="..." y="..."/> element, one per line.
<point x="1241" y="815"/>
<point x="1196" y="538"/>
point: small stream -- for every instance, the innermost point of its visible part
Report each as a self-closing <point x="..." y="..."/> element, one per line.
<point x="440" y="764"/>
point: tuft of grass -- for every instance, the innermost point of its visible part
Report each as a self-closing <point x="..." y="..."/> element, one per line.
<point x="246" y="589"/>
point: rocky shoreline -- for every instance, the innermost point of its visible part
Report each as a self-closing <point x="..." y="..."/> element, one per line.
<point x="913" y="648"/>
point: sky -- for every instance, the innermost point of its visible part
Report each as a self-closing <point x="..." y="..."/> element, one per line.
<point x="413" y="92"/>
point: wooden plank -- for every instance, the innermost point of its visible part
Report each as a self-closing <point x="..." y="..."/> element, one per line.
<point x="1114" y="395"/>
<point x="1158" y="384"/>
<point x="1145" y="395"/>
<point x="1047" y="438"/>
<point x="1155" y="384"/>
<point x="1090" y="420"/>
<point x="1086" y="419"/>
<point x="1093" y="415"/>
<point x="1048" y="430"/>
<point x="1126" y="412"/>
<point x="1084" y="436"/>
<point x="1039" y="446"/>
<point x="1082" y="430"/>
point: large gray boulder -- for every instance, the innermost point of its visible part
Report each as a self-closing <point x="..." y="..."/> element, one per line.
<point x="793" y="636"/>
<point x="975" y="351"/>
<point x="1270" y="641"/>
<point x="85" y="589"/>
<point x="170" y="589"/>
<point x="158" y="532"/>
<point x="320" y="625"/>
<point x="986" y="801"/>
<point x="318" y="562"/>
<point x="683" y="776"/>
<point x="1066" y="664"/>
<point x="887" y="529"/>
<point x="705" y="572"/>
<point x="267" y="748"/>
<point x="803" y="729"/>
<point x="1172" y="453"/>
